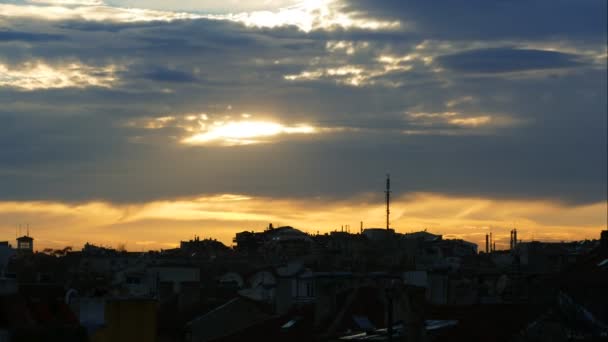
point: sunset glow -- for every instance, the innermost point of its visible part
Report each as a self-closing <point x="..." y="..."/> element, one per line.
<point x="162" y="224"/>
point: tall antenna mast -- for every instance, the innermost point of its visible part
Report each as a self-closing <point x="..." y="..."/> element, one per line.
<point x="388" y="200"/>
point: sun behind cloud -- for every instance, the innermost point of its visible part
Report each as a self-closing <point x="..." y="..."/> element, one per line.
<point x="245" y="132"/>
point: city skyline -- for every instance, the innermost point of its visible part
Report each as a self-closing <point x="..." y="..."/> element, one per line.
<point x="151" y="227"/>
<point x="145" y="122"/>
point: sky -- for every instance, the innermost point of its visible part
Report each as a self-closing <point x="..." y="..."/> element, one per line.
<point x="144" y="122"/>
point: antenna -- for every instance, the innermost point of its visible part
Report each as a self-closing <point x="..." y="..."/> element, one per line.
<point x="388" y="200"/>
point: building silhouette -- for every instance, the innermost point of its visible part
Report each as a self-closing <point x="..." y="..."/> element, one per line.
<point x="25" y="245"/>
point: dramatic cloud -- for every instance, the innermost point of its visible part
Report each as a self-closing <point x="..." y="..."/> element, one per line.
<point x="135" y="103"/>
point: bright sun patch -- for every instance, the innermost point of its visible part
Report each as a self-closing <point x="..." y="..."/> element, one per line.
<point x="308" y="15"/>
<point x="236" y="133"/>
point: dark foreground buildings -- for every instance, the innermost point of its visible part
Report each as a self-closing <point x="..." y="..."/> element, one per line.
<point x="286" y="285"/>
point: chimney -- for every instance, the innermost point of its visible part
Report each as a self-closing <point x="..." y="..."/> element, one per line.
<point x="487" y="243"/>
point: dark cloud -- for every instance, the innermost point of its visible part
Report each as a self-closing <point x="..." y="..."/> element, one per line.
<point x="502" y="19"/>
<point x="9" y="36"/>
<point x="108" y="27"/>
<point x="168" y="75"/>
<point x="507" y="60"/>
